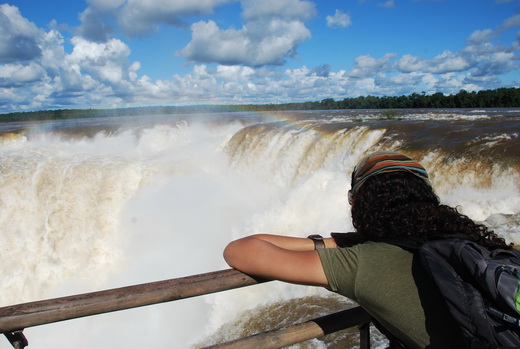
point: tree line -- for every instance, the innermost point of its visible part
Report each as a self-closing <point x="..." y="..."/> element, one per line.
<point x="499" y="98"/>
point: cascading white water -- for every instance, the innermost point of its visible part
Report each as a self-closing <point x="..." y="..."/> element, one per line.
<point x="84" y="214"/>
<point x="80" y="214"/>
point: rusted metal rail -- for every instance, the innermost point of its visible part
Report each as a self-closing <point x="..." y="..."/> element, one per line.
<point x="15" y="318"/>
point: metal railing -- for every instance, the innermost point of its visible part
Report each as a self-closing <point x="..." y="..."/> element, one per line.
<point x="15" y="318"/>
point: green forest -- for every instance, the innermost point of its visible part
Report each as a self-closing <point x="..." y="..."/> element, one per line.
<point x="499" y="98"/>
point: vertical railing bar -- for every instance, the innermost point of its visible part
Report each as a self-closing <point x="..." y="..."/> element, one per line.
<point x="364" y="336"/>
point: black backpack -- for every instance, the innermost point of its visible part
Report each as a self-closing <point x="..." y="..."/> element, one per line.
<point x="481" y="289"/>
<point x="480" y="286"/>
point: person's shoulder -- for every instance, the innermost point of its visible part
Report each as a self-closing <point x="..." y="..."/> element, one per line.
<point x="377" y="245"/>
<point x="365" y="249"/>
<point x="381" y="248"/>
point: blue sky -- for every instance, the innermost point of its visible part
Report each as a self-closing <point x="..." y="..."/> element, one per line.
<point x="122" y="53"/>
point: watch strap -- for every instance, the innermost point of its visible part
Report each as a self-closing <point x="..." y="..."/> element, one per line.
<point x="318" y="241"/>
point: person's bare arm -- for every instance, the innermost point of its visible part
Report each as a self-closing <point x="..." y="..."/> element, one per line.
<point x="277" y="257"/>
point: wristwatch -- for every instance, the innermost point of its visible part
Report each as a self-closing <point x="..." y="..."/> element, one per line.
<point x="318" y="241"/>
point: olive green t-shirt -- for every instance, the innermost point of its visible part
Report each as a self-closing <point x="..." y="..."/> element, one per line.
<point x="396" y="292"/>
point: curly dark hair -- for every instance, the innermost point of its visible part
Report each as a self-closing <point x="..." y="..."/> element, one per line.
<point x="399" y="204"/>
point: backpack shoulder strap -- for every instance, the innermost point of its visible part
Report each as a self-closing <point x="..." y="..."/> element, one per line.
<point x="348" y="239"/>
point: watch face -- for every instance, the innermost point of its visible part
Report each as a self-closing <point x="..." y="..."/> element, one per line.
<point x="315" y="237"/>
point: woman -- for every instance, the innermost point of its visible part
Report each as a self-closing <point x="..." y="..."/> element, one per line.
<point x="391" y="197"/>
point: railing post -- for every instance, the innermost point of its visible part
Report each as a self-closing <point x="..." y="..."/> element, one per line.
<point x="17" y="339"/>
<point x="364" y="336"/>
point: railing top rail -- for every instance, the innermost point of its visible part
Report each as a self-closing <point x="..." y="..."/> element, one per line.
<point x="30" y="314"/>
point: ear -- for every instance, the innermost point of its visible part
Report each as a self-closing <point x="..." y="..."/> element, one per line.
<point x="350" y="197"/>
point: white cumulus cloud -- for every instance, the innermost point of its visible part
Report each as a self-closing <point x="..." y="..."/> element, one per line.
<point x="18" y="74"/>
<point x="104" y="61"/>
<point x="271" y="35"/>
<point x="283" y="9"/>
<point x="339" y="19"/>
<point x="20" y="38"/>
<point x="140" y="17"/>
<point x="448" y="62"/>
<point x="367" y="65"/>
